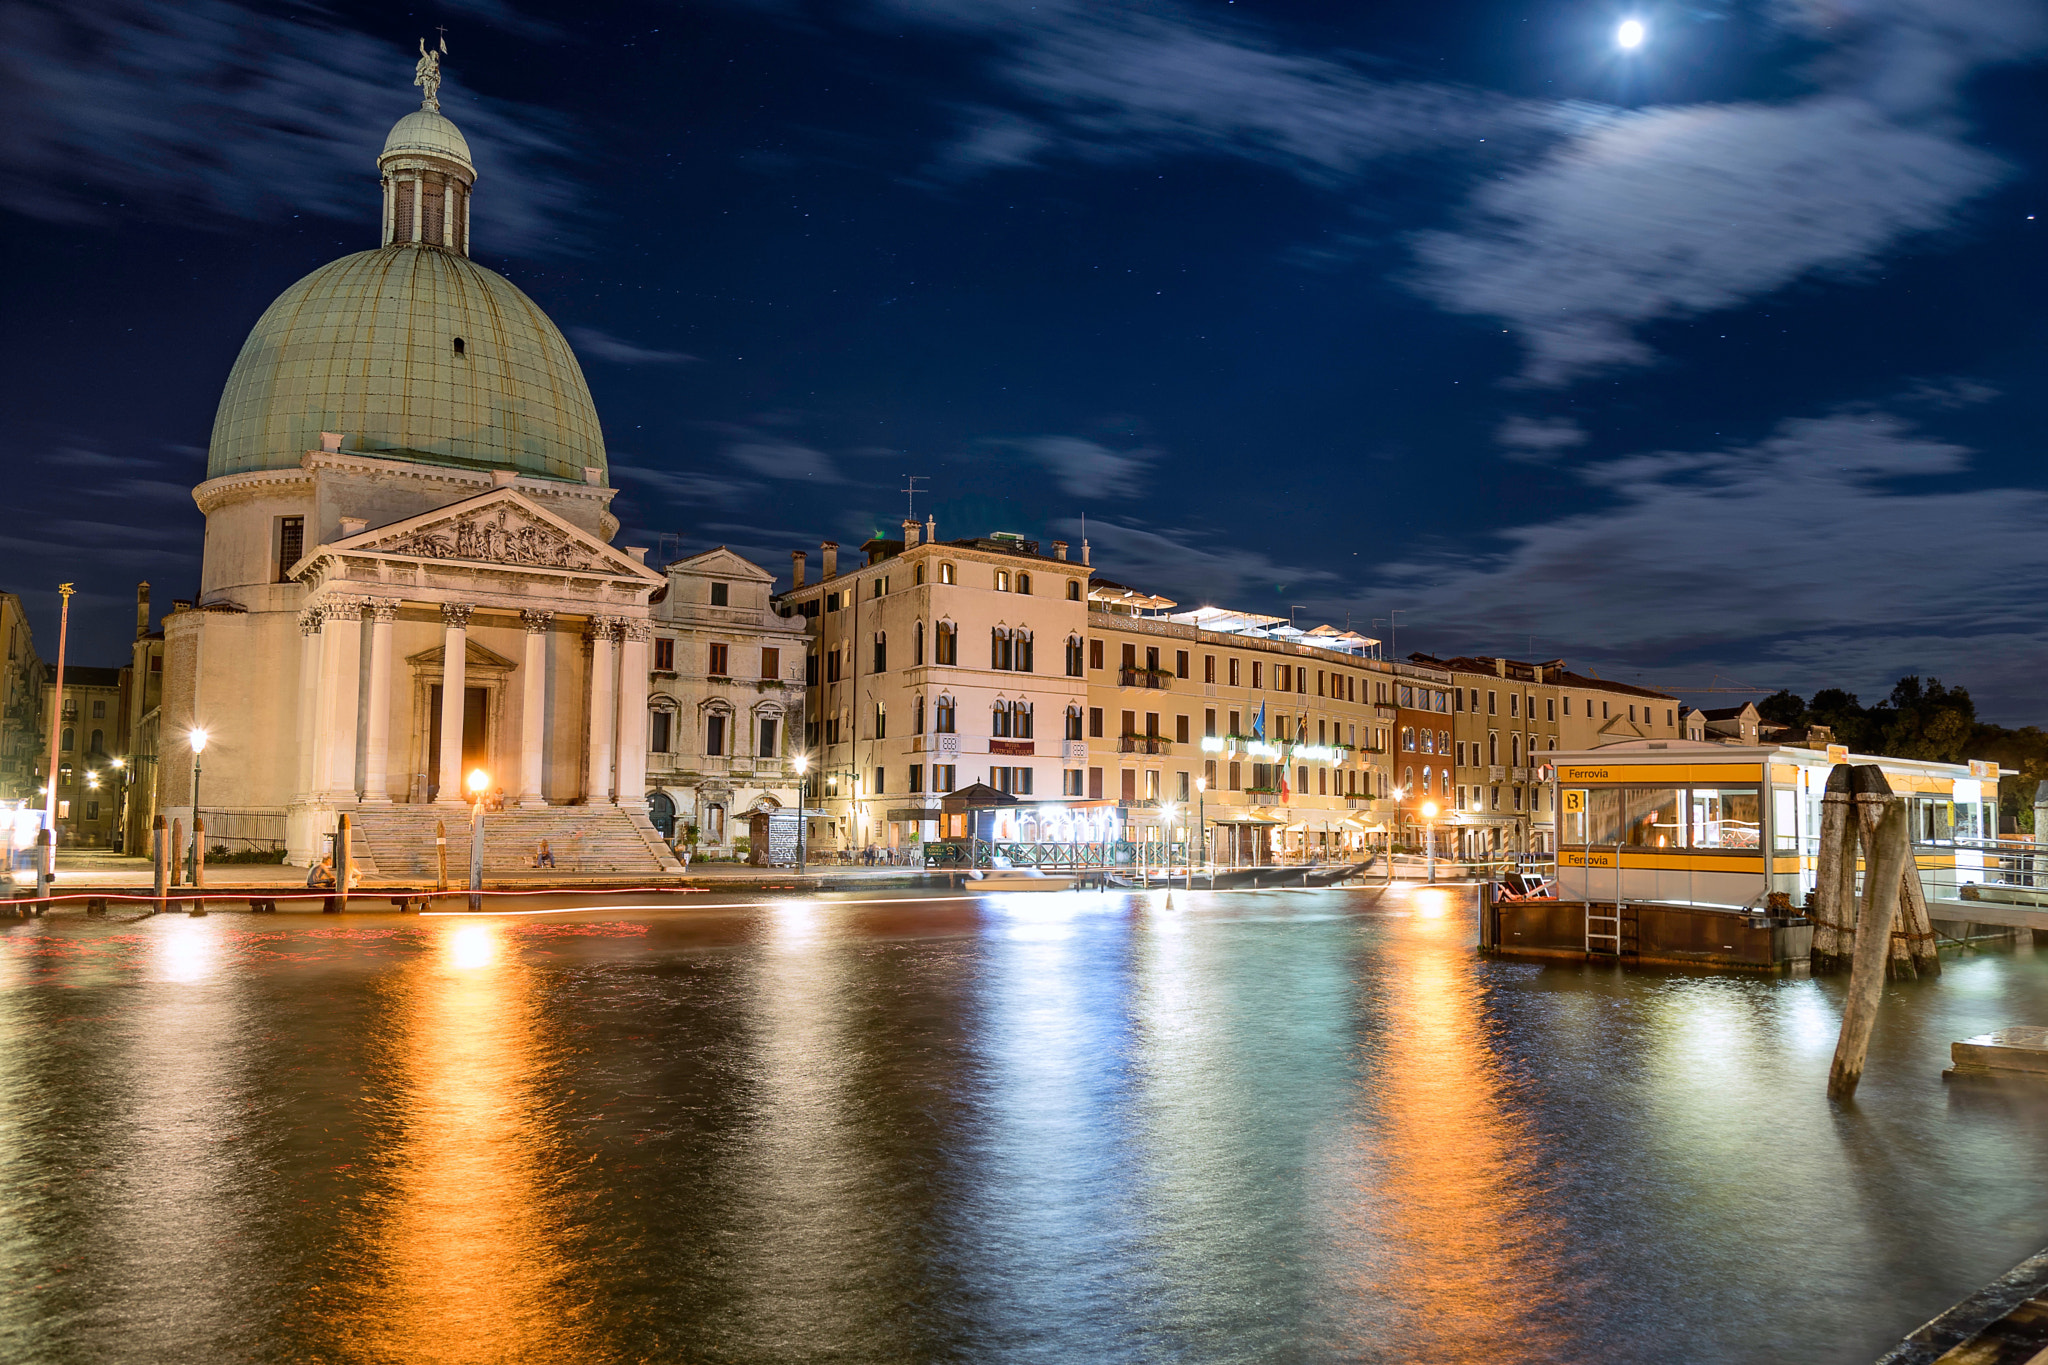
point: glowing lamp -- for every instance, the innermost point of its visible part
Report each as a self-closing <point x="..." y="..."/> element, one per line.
<point x="803" y="763"/>
<point x="197" y="739"/>
<point x="478" y="780"/>
<point x="1429" y="810"/>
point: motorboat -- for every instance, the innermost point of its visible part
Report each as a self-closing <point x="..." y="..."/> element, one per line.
<point x="1018" y="879"/>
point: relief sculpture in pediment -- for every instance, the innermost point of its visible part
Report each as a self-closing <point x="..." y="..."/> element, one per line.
<point x="497" y="540"/>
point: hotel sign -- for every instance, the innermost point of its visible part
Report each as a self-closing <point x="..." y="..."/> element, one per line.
<point x="1015" y="748"/>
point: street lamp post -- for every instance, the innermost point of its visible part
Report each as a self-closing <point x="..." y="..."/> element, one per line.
<point x="1202" y="831"/>
<point x="803" y="802"/>
<point x="197" y="738"/>
<point x="1169" y="811"/>
<point x="1429" y="835"/>
<point x="46" y="864"/>
<point x="479" y="782"/>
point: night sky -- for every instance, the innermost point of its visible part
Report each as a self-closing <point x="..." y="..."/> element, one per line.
<point x="1721" y="356"/>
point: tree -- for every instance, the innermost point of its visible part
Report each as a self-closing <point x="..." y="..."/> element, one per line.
<point x="1783" y="708"/>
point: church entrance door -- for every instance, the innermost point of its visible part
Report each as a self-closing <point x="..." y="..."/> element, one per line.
<point x="476" y="746"/>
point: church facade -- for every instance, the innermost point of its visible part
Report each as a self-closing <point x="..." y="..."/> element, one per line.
<point x="408" y="575"/>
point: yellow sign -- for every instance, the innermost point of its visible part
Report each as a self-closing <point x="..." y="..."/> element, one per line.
<point x="1658" y="773"/>
<point x="1838" y="753"/>
<point x="1568" y="858"/>
<point x="1985" y="770"/>
<point x="1574" y="800"/>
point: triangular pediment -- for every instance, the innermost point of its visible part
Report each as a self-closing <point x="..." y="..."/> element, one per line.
<point x="501" y="528"/>
<point x="474" y="655"/>
<point x="722" y="563"/>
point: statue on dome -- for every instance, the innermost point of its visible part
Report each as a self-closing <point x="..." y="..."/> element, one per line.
<point x="427" y="75"/>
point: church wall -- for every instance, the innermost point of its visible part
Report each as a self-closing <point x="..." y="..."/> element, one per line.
<point x="236" y="674"/>
<point x="242" y="540"/>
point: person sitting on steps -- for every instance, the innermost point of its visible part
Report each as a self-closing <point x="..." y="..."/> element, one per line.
<point x="544" y="856"/>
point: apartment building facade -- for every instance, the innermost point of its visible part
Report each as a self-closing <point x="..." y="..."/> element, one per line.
<point x="1270" y="738"/>
<point x="725" y="687"/>
<point x="24" y="726"/>
<point x="935" y="665"/>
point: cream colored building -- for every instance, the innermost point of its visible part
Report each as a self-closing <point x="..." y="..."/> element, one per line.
<point x="933" y="666"/>
<point x="1244" y="705"/>
<point x="407" y="571"/>
<point x="24" y="725"/>
<point x="728" y="683"/>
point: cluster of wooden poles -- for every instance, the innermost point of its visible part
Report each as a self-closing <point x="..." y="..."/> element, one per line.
<point x="1887" y="933"/>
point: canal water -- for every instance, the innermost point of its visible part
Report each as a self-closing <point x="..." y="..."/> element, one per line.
<point x="1253" y="1126"/>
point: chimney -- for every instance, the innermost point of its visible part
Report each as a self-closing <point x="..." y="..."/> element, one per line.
<point x="931" y="531"/>
<point x="1500" y="666"/>
<point x="830" y="554"/>
<point x="1059" y="549"/>
<point x="910" y="535"/>
<point x="330" y="442"/>
<point x="1084" y="552"/>
<point x="141" y="610"/>
<point x="796" y="569"/>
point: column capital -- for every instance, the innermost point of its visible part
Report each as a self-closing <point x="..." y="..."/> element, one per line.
<point x="537" y="620"/>
<point x="309" y="621"/>
<point x="342" y="608"/>
<point x="640" y="631"/>
<point x="602" y="628"/>
<point x="382" y="612"/>
<point x="455" y="615"/>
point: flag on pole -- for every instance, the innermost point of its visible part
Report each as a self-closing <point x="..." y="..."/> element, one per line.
<point x="1259" y="722"/>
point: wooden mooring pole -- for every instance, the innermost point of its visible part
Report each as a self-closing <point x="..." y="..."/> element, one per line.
<point x="1834" y="886"/>
<point x="160" y="850"/>
<point x="441" y="852"/>
<point x="198" y="907"/>
<point x="343" y="856"/>
<point x="1888" y="845"/>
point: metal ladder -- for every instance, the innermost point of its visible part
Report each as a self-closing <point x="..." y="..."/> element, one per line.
<point x="1595" y="936"/>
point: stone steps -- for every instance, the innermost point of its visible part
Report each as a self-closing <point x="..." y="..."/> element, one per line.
<point x="397" y="841"/>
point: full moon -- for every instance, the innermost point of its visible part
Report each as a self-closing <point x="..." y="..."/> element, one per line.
<point x="1630" y="34"/>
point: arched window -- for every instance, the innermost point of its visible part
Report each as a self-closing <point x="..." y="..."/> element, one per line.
<point x="1074" y="723"/>
<point x="917" y="716"/>
<point x="1428" y="742"/>
<point x="999" y="652"/>
<point x="947" y="642"/>
<point x="99" y="742"/>
<point x="917" y="644"/>
<point x="1408" y="738"/>
<point x="881" y="652"/>
<point x="881" y="721"/>
<point x="946" y="573"/>
<point x="999" y="723"/>
<point x="661" y="813"/>
<point x="943" y="714"/>
<point x="1002" y="580"/>
<point x="1020" y="654"/>
<point x="1020" y="719"/>
<point x="1408" y="784"/>
<point x="1024" y="583"/>
<point x="1073" y="589"/>
<point x="1073" y="656"/>
<point x="66" y="739"/>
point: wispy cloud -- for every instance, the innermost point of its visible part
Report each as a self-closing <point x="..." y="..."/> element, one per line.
<point x="776" y="459"/>
<point x="1539" y="438"/>
<point x="604" y="346"/>
<point x="1811" y="556"/>
<point x="214" y="110"/>
<point x="684" y="486"/>
<point x="1084" y="468"/>
<point x="1196" y="566"/>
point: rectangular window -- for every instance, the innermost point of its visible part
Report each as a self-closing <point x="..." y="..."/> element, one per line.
<point x="1725" y="819"/>
<point x="1208" y="668"/>
<point x="831" y="601"/>
<point x="1151" y="725"/>
<point x="811" y="668"/>
<point x="1237" y="777"/>
<point x="1151" y="784"/>
<point x="1180" y="663"/>
<point x="1071" y="782"/>
<point x="718" y="669"/>
<point x="657" y="732"/>
<point x="1180" y="786"/>
<point x="881" y="654"/>
<point x="880" y="785"/>
<point x="1095" y="784"/>
<point x="768" y="737"/>
<point x="718" y="595"/>
<point x="942" y="777"/>
<point x="1128" y="779"/>
<point x="1233" y="672"/>
<point x="714" y="736"/>
<point x="664" y="655"/>
<point x="916" y="778"/>
<point x="99" y="710"/>
<point x="1257" y="667"/>
<point x="92" y="809"/>
<point x="1550" y="708"/>
<point x="771" y="663"/>
<point x="291" y="545"/>
<point x="1567" y="704"/>
<point x="1457" y="699"/>
<point x="1095" y="653"/>
<point x="1514" y="704"/>
<point x="1130" y="659"/>
<point x="947" y="645"/>
<point x="1209" y="723"/>
<point x="1236" y="724"/>
<point x="1095" y="722"/>
<point x="1130" y="720"/>
<point x="1180" y="729"/>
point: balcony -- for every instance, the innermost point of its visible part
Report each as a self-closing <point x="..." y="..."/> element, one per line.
<point x="1073" y="749"/>
<point x="1521" y="775"/>
<point x="1496" y="773"/>
<point x="1143" y="677"/>
<point x="1144" y="744"/>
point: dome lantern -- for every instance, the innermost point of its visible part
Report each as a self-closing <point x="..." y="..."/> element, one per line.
<point x="427" y="171"/>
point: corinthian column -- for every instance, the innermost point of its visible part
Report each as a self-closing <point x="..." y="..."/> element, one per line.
<point x="377" y="722"/>
<point x="454" y="661"/>
<point x="309" y="698"/>
<point x="533" y="720"/>
<point x="632" y="727"/>
<point x="597" y="782"/>
<point x="341" y="660"/>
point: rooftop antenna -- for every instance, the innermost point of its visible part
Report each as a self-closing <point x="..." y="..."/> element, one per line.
<point x="910" y="490"/>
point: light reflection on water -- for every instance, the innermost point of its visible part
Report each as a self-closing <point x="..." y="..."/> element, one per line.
<point x="1304" y="1126"/>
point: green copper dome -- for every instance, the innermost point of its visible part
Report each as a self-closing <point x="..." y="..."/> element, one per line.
<point x="411" y="352"/>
